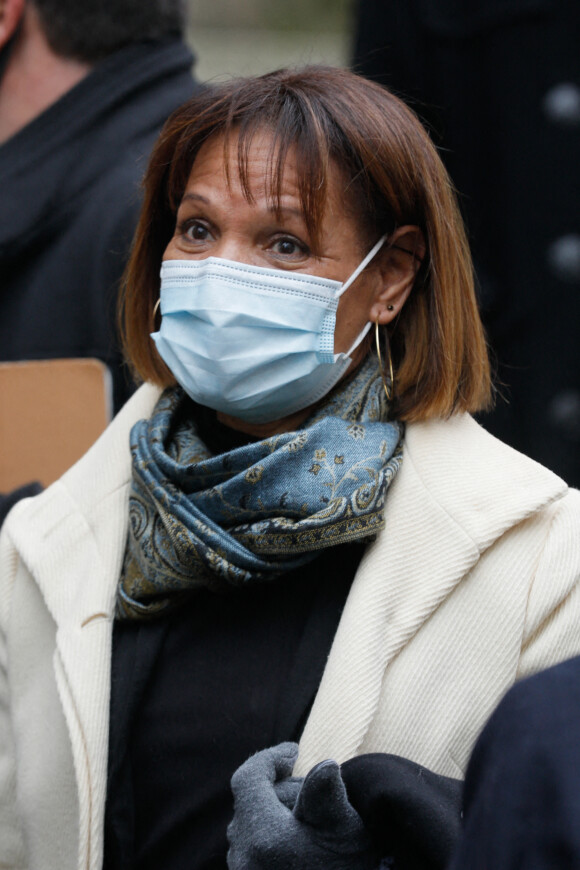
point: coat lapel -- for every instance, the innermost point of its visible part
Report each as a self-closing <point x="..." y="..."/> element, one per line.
<point x="458" y="490"/>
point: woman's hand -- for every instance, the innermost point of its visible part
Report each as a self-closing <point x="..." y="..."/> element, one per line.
<point x="293" y="824"/>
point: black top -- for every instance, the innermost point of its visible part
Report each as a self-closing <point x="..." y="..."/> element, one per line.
<point x="194" y="694"/>
<point x="197" y="693"/>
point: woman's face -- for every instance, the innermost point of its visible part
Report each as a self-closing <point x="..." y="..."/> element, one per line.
<point x="215" y="219"/>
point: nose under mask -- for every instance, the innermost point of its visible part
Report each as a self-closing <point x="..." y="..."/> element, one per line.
<point x="252" y="342"/>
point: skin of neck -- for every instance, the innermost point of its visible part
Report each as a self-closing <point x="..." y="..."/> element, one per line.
<point x="265" y="430"/>
<point x="35" y="77"/>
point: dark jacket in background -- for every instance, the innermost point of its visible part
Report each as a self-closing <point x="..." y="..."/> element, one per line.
<point x="522" y="790"/>
<point x="499" y="83"/>
<point x="69" y="203"/>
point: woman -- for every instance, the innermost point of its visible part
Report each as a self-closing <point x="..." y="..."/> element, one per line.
<point x="294" y="531"/>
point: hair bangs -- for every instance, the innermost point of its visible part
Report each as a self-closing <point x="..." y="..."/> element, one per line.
<point x="295" y="136"/>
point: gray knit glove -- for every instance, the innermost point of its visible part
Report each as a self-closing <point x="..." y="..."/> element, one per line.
<point x="284" y="823"/>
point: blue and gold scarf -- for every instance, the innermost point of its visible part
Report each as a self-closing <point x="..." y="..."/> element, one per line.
<point x="261" y="510"/>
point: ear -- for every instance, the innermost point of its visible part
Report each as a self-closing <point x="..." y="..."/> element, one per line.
<point x="398" y="268"/>
<point x="11" y="13"/>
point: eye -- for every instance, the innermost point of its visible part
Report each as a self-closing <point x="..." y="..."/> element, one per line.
<point x="194" y="230"/>
<point x="289" y="247"/>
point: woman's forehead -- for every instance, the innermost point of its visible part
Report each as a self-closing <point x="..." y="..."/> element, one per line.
<point x="253" y="166"/>
<point x="258" y="166"/>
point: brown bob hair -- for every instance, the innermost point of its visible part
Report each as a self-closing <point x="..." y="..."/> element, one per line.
<point x="393" y="177"/>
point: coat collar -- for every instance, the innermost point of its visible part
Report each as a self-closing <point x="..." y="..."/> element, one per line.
<point x="458" y="491"/>
<point x="455" y="478"/>
<point x="72" y="536"/>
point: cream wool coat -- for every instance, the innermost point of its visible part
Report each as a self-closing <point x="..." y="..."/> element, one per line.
<point x="472" y="584"/>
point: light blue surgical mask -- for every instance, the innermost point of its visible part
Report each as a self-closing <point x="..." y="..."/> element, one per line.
<point x="254" y="343"/>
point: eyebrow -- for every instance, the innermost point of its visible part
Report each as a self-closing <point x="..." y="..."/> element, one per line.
<point x="195" y="196"/>
<point x="284" y="209"/>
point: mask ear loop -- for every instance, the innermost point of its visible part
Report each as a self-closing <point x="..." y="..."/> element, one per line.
<point x="388" y="393"/>
<point x="156" y="309"/>
<point x="374" y="250"/>
<point x="372" y="253"/>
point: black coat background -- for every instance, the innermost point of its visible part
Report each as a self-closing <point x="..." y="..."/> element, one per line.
<point x="522" y="789"/>
<point x="69" y="203"/>
<point x="498" y="82"/>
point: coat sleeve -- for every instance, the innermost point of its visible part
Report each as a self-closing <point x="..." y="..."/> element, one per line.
<point x="12" y="853"/>
<point x="552" y="623"/>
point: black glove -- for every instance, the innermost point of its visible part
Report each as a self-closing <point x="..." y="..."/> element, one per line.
<point x="321" y="830"/>
<point x="412" y="814"/>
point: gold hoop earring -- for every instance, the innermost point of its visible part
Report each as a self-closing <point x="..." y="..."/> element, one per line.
<point x="388" y="393"/>
<point x="156" y="309"/>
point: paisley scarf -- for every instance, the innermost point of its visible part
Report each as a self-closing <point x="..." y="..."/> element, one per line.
<point x="260" y="510"/>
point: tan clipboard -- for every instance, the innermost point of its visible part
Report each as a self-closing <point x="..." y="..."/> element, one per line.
<point x="51" y="411"/>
